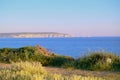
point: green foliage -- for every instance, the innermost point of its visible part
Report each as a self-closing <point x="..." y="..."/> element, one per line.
<point x="99" y="61"/>
<point x="30" y="53"/>
<point x="60" y="61"/>
<point x="116" y="64"/>
<point x="13" y="55"/>
<point x="93" y="61"/>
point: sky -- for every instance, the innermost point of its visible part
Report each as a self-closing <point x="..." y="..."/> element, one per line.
<point x="75" y="17"/>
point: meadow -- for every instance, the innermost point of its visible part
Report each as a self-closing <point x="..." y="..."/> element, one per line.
<point x="35" y="71"/>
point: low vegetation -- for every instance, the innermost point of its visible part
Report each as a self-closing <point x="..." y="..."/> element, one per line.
<point x="100" y="61"/>
<point x="34" y="71"/>
<point x="30" y="53"/>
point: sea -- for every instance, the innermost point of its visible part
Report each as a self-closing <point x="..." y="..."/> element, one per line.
<point x="75" y="47"/>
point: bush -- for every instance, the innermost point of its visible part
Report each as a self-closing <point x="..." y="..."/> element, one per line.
<point x="29" y="53"/>
<point x="116" y="64"/>
<point x="59" y="61"/>
<point x="99" y="61"/>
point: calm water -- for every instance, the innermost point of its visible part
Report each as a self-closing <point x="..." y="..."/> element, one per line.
<point x="67" y="46"/>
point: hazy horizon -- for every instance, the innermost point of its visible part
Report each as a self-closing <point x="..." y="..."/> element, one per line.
<point x="78" y="17"/>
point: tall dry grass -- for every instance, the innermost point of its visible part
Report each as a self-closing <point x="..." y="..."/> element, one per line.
<point x="35" y="71"/>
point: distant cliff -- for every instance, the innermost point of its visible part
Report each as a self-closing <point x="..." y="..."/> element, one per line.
<point x="34" y="35"/>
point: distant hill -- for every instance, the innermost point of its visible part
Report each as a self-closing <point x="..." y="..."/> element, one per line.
<point x="33" y="35"/>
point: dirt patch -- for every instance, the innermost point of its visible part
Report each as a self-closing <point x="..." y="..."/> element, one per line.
<point x="3" y="65"/>
<point x="68" y="72"/>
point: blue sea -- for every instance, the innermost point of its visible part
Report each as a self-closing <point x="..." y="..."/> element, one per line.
<point x="74" y="47"/>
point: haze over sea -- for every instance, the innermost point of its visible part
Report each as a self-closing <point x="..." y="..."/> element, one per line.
<point x="74" y="47"/>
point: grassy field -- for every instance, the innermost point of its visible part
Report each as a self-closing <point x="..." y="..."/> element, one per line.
<point x="35" y="71"/>
<point x="35" y="68"/>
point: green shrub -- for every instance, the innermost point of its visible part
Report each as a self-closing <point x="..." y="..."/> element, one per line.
<point x="59" y="61"/>
<point x="29" y="53"/>
<point x="98" y="61"/>
<point x="116" y="64"/>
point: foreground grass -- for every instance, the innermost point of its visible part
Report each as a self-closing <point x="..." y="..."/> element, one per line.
<point x="35" y="71"/>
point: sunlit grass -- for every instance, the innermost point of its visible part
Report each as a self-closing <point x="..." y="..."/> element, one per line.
<point x="35" y="71"/>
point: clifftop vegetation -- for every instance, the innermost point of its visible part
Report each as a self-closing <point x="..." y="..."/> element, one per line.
<point x="96" y="61"/>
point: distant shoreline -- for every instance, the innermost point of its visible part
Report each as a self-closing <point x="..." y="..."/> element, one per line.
<point x="59" y="37"/>
<point x="34" y="35"/>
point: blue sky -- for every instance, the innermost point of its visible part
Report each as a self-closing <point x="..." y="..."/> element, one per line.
<point x="77" y="17"/>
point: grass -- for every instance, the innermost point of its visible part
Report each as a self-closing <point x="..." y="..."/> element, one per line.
<point x="35" y="71"/>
